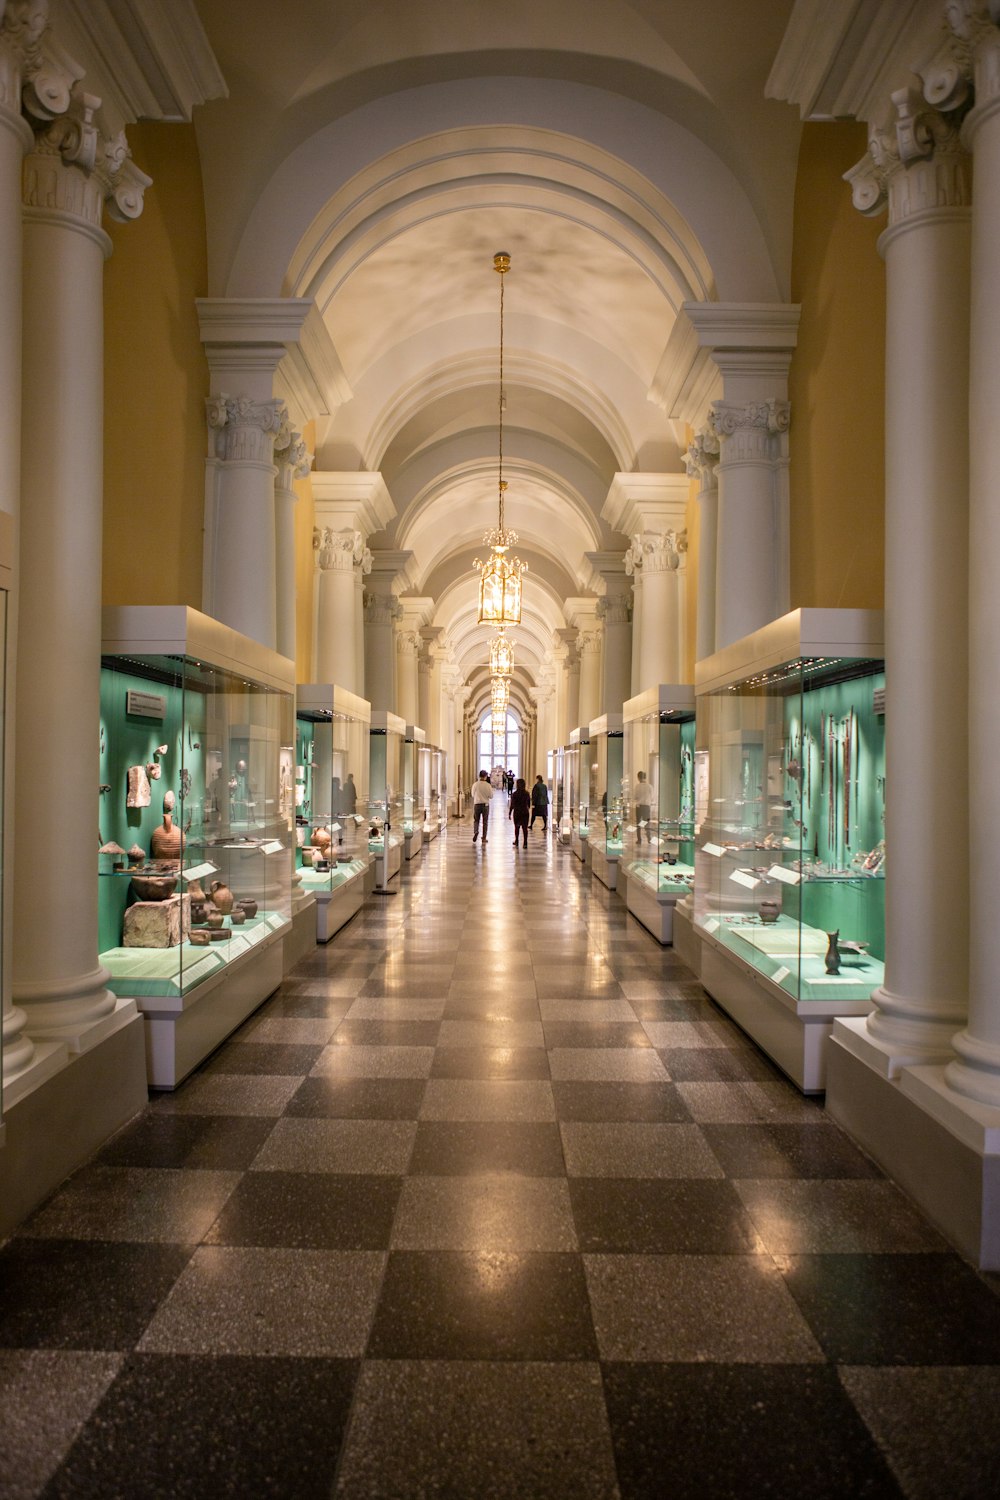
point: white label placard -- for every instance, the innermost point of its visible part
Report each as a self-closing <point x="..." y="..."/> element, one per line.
<point x="780" y="974"/>
<point x="199" y="872"/>
<point x="710" y="924"/>
<point x="742" y="878"/>
<point x="273" y="846"/>
<point x="145" y="705"/>
<point x="790" y="877"/>
<point x="715" y="850"/>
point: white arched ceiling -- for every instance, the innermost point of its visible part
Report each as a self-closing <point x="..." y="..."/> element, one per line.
<point x="376" y="159"/>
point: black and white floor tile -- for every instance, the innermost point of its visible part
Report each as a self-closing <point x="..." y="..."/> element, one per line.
<point x="490" y="1200"/>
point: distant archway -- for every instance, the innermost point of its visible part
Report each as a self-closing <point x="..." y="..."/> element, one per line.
<point x="501" y="750"/>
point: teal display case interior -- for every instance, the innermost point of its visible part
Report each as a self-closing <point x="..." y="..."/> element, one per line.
<point x="791" y="859"/>
<point x="607" y="806"/>
<point x="385" y="799"/>
<point x="658" y="794"/>
<point x="331" y="796"/>
<point x="190" y="749"/>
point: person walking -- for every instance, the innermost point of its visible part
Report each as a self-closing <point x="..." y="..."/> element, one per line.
<point x="482" y="796"/>
<point x="540" y="803"/>
<point x="520" y="805"/>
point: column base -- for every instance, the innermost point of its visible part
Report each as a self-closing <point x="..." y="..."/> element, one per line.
<point x="943" y="1150"/>
<point x="887" y="1056"/>
<point x="301" y="939"/>
<point x="64" y="1111"/>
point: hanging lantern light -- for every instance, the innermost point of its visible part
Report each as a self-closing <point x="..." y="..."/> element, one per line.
<point x="501" y="655"/>
<point x="500" y="694"/>
<point x="499" y="724"/>
<point x="500" y="575"/>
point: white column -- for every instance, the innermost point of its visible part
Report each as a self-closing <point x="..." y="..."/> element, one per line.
<point x="429" y="684"/>
<point x="336" y="553"/>
<point x="67" y="177"/>
<point x="407" y="690"/>
<point x="752" y="347"/>
<point x="615" y="614"/>
<point x="381" y="609"/>
<point x="293" y="462"/>
<point x="591" y="664"/>
<point x="651" y="509"/>
<point x="15" y="139"/>
<point x="362" y="568"/>
<point x="926" y="250"/>
<point x="702" y="460"/>
<point x="976" y="1073"/>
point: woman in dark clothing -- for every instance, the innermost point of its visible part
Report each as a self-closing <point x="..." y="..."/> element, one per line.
<point x="540" y="803"/>
<point x="520" y="806"/>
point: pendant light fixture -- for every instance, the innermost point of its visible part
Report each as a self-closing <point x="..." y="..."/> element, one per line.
<point x="501" y="655"/>
<point x="500" y="575"/>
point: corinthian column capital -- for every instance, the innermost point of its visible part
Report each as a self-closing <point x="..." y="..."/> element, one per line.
<point x="245" y="428"/>
<point x="914" y="163"/>
<point x="702" y="458"/>
<point x="291" y="456"/>
<point x="749" y="429"/>
<point x="335" y="550"/>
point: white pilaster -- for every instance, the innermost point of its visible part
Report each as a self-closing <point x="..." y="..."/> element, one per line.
<point x="387" y="578"/>
<point x="583" y="614"/>
<point x="751" y="345"/>
<point x="651" y="509"/>
<point x="69" y="177"/>
<point x="347" y="505"/>
<point x="702" y="460"/>
<point x="293" y="462"/>
<point x="614" y="610"/>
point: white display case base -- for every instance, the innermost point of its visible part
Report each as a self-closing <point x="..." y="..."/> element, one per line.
<point x="387" y="866"/>
<point x="55" y="1126"/>
<point x="656" y="913"/>
<point x="581" y="847"/>
<point x="302" y="937"/>
<point x="943" y="1150"/>
<point x="687" y="939"/>
<point x="413" y="842"/>
<point x="605" y="867"/>
<point x="337" y="907"/>
<point x="182" y="1031"/>
<point x="793" y="1033"/>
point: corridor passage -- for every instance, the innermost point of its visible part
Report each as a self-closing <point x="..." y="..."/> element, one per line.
<point x="491" y="1201"/>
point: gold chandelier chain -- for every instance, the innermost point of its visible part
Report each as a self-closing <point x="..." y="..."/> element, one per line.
<point x="500" y="403"/>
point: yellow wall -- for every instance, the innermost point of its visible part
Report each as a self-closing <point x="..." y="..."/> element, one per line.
<point x="156" y="381"/>
<point x="836" y="383"/>
<point x="305" y="568"/>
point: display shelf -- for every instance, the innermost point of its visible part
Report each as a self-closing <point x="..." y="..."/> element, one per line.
<point x="385" y="801"/>
<point x="789" y="898"/>
<point x="579" y="802"/>
<point x="332" y="767"/>
<point x="196" y="810"/>
<point x="658" y="802"/>
<point x="412" y="770"/>
<point x="607" y="810"/>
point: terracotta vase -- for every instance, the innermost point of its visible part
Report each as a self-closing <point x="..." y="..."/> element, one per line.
<point x="222" y="897"/>
<point x="166" y="841"/>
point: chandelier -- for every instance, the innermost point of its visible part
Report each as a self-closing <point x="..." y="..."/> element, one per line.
<point x="499" y="703"/>
<point x="500" y="575"/>
<point x="501" y="655"/>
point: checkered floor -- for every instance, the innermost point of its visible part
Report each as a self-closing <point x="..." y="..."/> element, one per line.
<point x="490" y="1200"/>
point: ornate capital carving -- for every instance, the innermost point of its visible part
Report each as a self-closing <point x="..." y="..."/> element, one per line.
<point x="655" y="552"/>
<point x="407" y="643"/>
<point x="749" y="430"/>
<point x="335" y="550"/>
<point x="380" y="609"/>
<point x="590" y="641"/>
<point x="246" y="429"/>
<point x="916" y="162"/>
<point x="363" y="563"/>
<point x="75" y="169"/>
<point x="702" y="458"/>
<point x="291" y="456"/>
<point x="615" y="609"/>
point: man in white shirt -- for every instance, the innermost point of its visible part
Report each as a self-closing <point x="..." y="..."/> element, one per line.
<point x="482" y="796"/>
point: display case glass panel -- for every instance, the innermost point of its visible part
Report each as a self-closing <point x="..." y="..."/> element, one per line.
<point x="411" y="763"/>
<point x="196" y="805"/>
<point x="385" y="795"/>
<point x="658" y="790"/>
<point x="607" y="807"/>
<point x="331" y="786"/>
<point x="558" y="790"/>
<point x="790" y="858"/>
<point x="571" y="779"/>
<point x="580" y="806"/>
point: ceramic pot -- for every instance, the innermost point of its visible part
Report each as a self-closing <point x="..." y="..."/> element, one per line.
<point x="322" y="839"/>
<point x="214" y="920"/>
<point x="199" y="911"/>
<point x="222" y="897"/>
<point x="833" y="953"/>
<point x="249" y="907"/>
<point x="154" y="887"/>
<point x="237" y="916"/>
<point x="769" y="911"/>
<point x="200" y="939"/>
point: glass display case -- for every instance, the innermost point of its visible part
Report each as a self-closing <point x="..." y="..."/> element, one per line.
<point x="567" y="797"/>
<point x="331" y="802"/>
<point x="385" y="797"/>
<point x="412" y="758"/>
<point x="607" y="808"/>
<point x="195" y="812"/>
<point x="658" y="801"/>
<point x="432" y="797"/>
<point x="789" y="897"/>
<point x="579" y="740"/>
<point x="556" y="807"/>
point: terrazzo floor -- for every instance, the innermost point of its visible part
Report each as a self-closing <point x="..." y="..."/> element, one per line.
<point x="490" y="1200"/>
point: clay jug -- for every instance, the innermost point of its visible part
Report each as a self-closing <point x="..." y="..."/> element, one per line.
<point x="769" y="911"/>
<point x="833" y="953"/>
<point x="222" y="897"/>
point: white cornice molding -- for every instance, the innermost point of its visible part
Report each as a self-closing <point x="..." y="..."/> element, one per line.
<point x="646" y="502"/>
<point x="289" y="334"/>
<point x="392" y="570"/>
<point x="605" y="568"/>
<point x="355" y="499"/>
<point x="842" y="59"/>
<point x="686" y="381"/>
<point x="743" y="325"/>
<point x="147" y="59"/>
